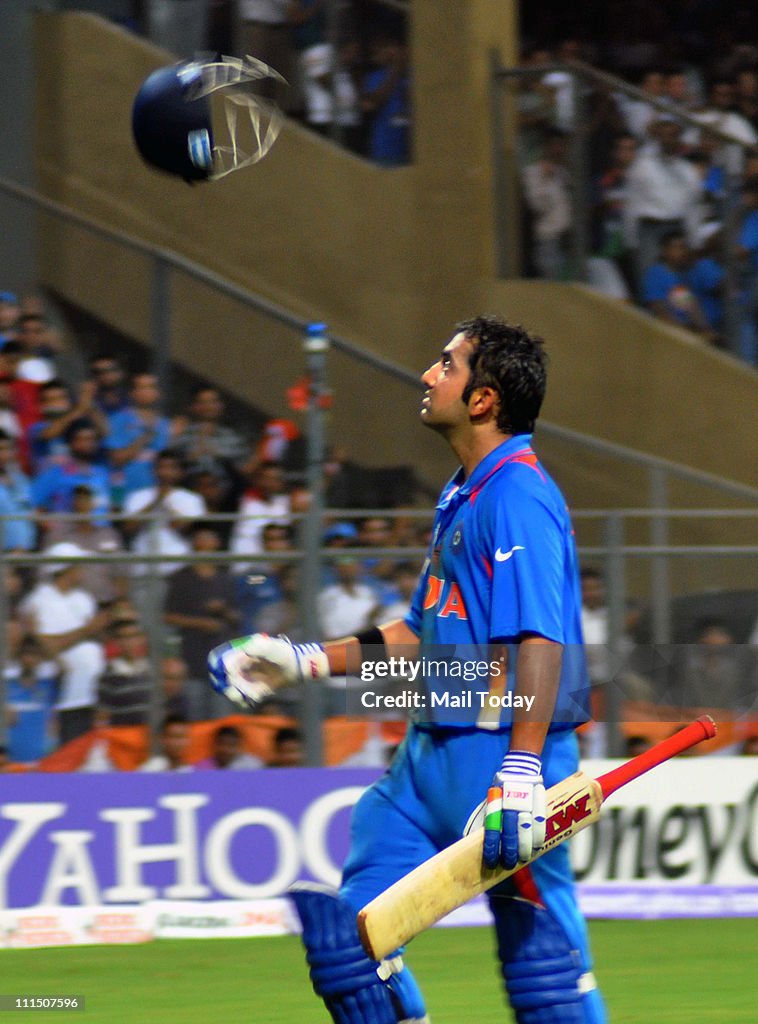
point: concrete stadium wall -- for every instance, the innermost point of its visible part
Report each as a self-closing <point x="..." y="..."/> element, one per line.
<point x="619" y="375"/>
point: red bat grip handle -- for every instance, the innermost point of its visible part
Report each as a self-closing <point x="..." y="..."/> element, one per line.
<point x="703" y="728"/>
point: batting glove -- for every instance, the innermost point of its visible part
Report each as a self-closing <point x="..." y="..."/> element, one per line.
<point x="249" y="669"/>
<point x="514" y="822"/>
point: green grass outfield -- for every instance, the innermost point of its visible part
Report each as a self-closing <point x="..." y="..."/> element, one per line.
<point x="657" y="972"/>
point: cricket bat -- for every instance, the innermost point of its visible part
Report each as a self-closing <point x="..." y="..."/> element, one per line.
<point x="456" y="874"/>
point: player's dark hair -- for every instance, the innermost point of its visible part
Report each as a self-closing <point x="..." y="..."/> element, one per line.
<point x="513" y="363"/>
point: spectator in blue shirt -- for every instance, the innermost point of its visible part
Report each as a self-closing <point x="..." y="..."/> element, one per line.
<point x="9" y="313"/>
<point x="747" y="248"/>
<point x="107" y="377"/>
<point x="137" y="434"/>
<point x="31" y="686"/>
<point x="666" y="290"/>
<point x="53" y="489"/>
<point x="15" y="500"/>
<point x="57" y="412"/>
<point x="385" y="99"/>
<point x="262" y="587"/>
<point x="707" y="275"/>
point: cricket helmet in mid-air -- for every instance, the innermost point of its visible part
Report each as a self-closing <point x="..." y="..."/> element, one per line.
<point x="178" y="129"/>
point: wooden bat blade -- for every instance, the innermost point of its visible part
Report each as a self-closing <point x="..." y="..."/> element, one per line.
<point x="456" y="874"/>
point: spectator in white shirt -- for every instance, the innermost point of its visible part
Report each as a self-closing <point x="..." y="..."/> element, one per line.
<point x="347" y="606"/>
<point x="720" y="114"/>
<point x="563" y="85"/>
<point x="265" y="502"/>
<point x="594" y="614"/>
<point x="9" y="421"/>
<point x="680" y="89"/>
<point x="228" y="753"/>
<point x="176" y="508"/>
<point x="547" y="191"/>
<point x="66" y="620"/>
<point x="663" y="194"/>
<point x="638" y="114"/>
<point x="173" y="741"/>
<point x="330" y="92"/>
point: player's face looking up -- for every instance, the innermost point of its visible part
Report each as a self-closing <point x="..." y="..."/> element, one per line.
<point x="491" y="375"/>
<point x="442" y="406"/>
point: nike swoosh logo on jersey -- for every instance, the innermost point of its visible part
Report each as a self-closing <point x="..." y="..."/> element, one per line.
<point x="503" y="556"/>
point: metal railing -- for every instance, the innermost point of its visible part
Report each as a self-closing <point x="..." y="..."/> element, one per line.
<point x="587" y="79"/>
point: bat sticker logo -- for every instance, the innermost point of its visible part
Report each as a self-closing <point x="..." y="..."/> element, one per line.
<point x="566" y="817"/>
<point x="503" y="556"/>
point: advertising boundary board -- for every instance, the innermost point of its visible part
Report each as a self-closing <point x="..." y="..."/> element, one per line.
<point x="128" y="857"/>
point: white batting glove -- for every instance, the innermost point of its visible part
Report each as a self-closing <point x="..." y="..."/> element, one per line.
<point x="515" y="817"/>
<point x="249" y="669"/>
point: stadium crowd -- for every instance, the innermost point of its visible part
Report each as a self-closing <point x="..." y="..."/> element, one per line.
<point x="92" y="465"/>
<point x="672" y="209"/>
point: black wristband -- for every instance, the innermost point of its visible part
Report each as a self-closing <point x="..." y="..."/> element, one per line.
<point x="370" y="639"/>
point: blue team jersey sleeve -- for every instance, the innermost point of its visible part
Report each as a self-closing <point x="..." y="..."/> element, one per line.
<point x="415" y="614"/>
<point x="524" y="544"/>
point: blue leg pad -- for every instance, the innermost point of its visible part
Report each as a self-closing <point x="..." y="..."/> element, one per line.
<point x="355" y="989"/>
<point x="544" y="977"/>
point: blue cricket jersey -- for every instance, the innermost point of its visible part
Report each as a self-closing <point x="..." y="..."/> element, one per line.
<point x="502" y="564"/>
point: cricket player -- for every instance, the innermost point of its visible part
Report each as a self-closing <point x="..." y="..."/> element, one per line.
<point x="501" y="584"/>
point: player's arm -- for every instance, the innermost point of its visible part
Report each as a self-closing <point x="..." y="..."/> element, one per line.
<point x="515" y="816"/>
<point x="538" y="675"/>
<point x="527" y="612"/>
<point x="345" y="655"/>
<point x="251" y="668"/>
